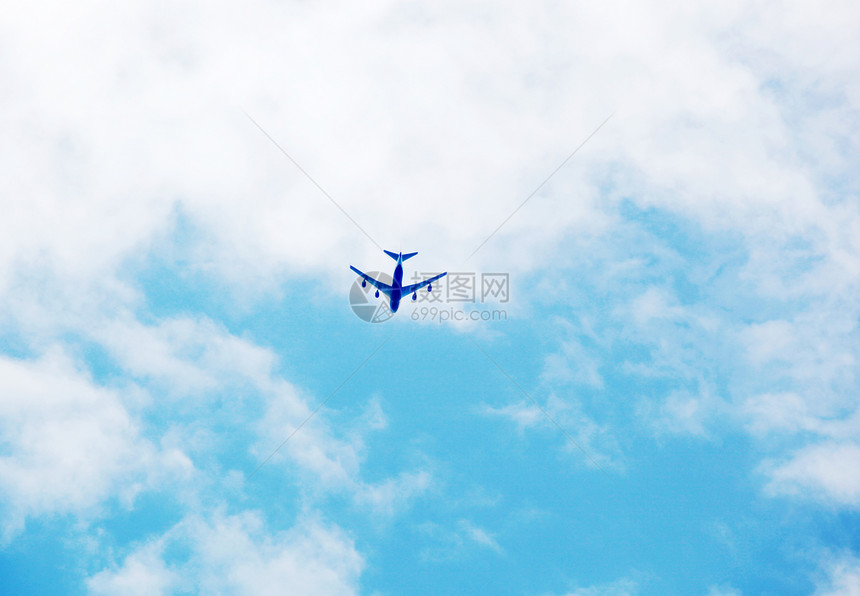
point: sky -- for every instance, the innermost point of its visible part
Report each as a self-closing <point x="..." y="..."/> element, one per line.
<point x="663" y="400"/>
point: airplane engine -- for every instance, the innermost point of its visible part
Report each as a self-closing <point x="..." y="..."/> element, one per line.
<point x="377" y="293"/>
<point x="429" y="287"/>
<point x="363" y="283"/>
<point x="414" y="295"/>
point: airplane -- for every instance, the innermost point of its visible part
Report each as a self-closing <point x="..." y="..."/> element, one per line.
<point x="397" y="290"/>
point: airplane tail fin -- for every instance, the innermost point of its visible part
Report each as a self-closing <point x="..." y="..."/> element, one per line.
<point x="396" y="256"/>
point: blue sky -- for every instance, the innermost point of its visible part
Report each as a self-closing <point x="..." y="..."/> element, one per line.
<point x="682" y="301"/>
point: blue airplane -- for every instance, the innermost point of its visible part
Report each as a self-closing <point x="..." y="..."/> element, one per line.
<point x="397" y="290"/>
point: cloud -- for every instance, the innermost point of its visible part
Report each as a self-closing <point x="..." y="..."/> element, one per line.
<point x="74" y="445"/>
<point x="185" y="356"/>
<point x="235" y="554"/>
<point x="842" y="576"/>
<point x="723" y="591"/>
<point x="826" y="471"/>
<point x="620" y="587"/>
<point x="71" y="445"/>
<point x="334" y="461"/>
<point x="372" y="104"/>
<point x="142" y="573"/>
<point x="814" y="351"/>
<point x="124" y="140"/>
<point x="188" y="360"/>
<point x="457" y="541"/>
<point x="524" y="414"/>
<point x="393" y="495"/>
<point x="573" y="363"/>
<point x="679" y="338"/>
<point x="597" y="441"/>
<point x="683" y="413"/>
<point x="479" y="536"/>
<point x="701" y="367"/>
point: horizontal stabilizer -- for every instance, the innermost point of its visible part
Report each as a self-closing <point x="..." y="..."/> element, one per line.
<point x="400" y="256"/>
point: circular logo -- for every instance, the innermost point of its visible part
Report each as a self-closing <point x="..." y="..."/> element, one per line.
<point x="364" y="302"/>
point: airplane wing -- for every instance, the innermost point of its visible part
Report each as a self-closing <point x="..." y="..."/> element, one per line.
<point x="382" y="287"/>
<point x="415" y="287"/>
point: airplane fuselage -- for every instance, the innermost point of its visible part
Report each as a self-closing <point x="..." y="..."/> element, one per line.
<point x="396" y="285"/>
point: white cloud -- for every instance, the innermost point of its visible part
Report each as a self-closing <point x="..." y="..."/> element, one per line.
<point x="524" y="414"/>
<point x="842" y="576"/>
<point x="815" y="352"/>
<point x="683" y="413"/>
<point x="70" y="444"/>
<point x="766" y="340"/>
<point x="620" y="587"/>
<point x="456" y="541"/>
<point x="373" y="105"/>
<point x="681" y="339"/>
<point x="827" y="471"/>
<point x="573" y="363"/>
<point x="795" y="381"/>
<point x="598" y="442"/>
<point x="420" y="119"/>
<point x="786" y="412"/>
<point x="393" y="495"/>
<point x="185" y="356"/>
<point x="333" y="461"/>
<point x="142" y="573"/>
<point x="196" y="359"/>
<point x="479" y="535"/>
<point x="236" y="554"/>
<point x="75" y="444"/>
<point x="723" y="591"/>
<point x="809" y="361"/>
